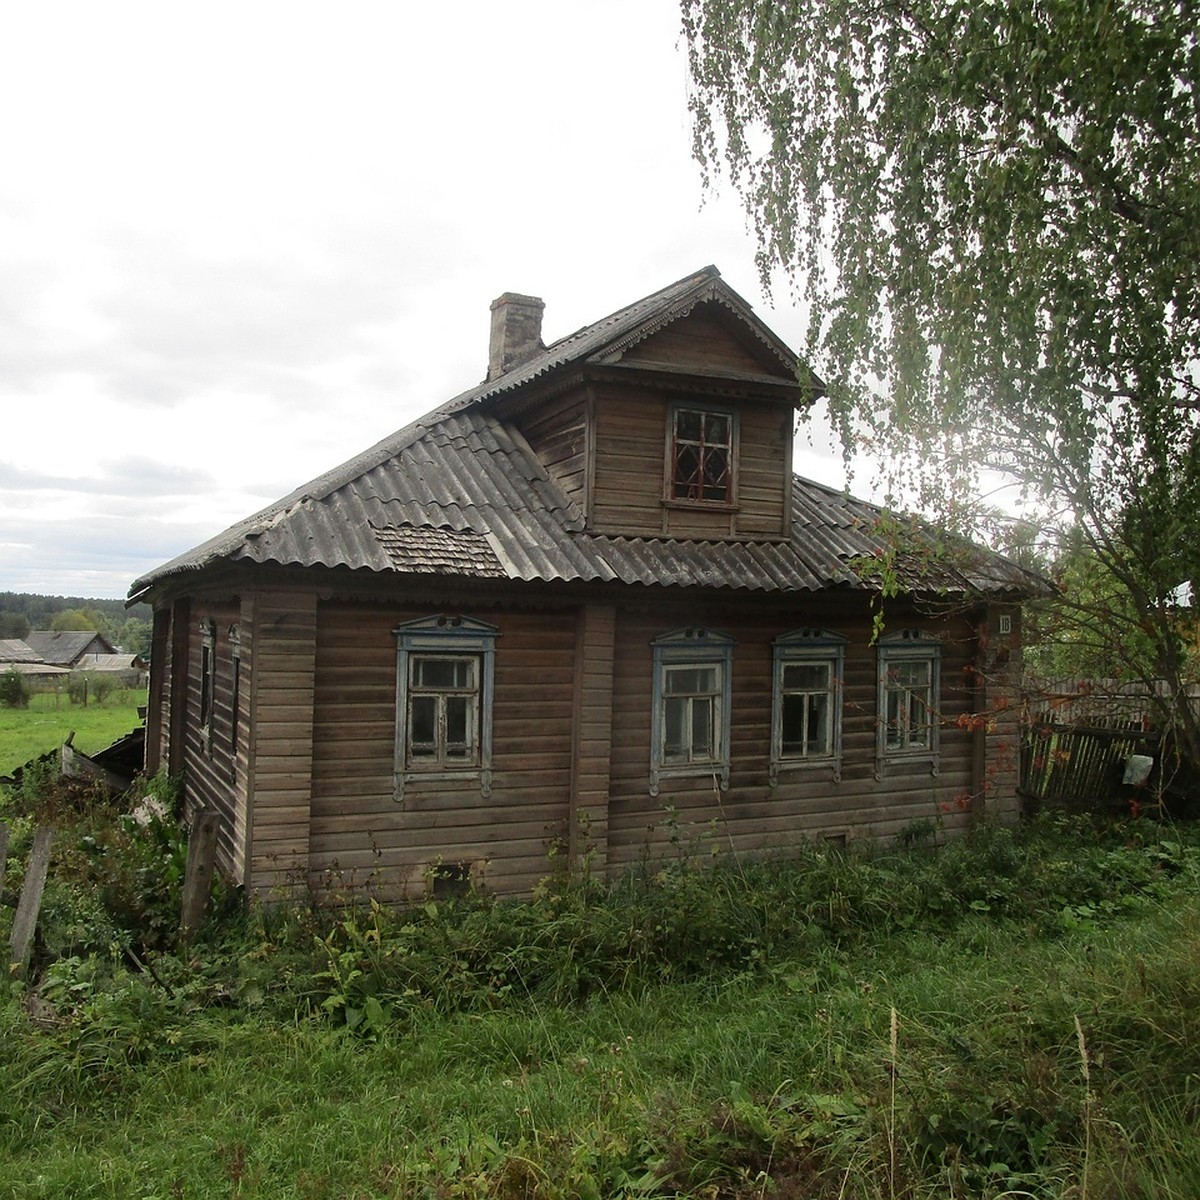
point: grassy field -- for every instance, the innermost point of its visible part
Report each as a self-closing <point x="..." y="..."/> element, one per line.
<point x="26" y="733"/>
<point x="1017" y="1016"/>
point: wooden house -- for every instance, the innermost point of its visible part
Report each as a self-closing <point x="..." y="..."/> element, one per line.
<point x="70" y="648"/>
<point x="580" y="610"/>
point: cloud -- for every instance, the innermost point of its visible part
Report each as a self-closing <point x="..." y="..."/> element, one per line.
<point x="125" y="478"/>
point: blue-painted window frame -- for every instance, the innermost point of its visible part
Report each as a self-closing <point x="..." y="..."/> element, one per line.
<point x="695" y="648"/>
<point x="808" y="646"/>
<point x="909" y="647"/>
<point x="447" y="636"/>
<point x="208" y="681"/>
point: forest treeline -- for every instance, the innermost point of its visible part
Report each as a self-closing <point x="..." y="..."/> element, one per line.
<point x="126" y="628"/>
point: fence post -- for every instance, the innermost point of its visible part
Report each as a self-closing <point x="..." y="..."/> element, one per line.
<point x="197" y="878"/>
<point x="25" y="922"/>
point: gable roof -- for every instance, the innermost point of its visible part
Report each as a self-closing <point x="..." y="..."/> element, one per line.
<point x="65" y="646"/>
<point x="460" y="492"/>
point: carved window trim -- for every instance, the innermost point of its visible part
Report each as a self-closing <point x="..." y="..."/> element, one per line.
<point x="808" y="647"/>
<point x="208" y="681"/>
<point x="909" y="682"/>
<point x="445" y="638"/>
<point x="235" y="691"/>
<point x="675" y="654"/>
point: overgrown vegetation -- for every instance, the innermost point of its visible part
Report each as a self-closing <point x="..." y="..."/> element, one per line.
<point x="1018" y="1014"/>
<point x="14" y="691"/>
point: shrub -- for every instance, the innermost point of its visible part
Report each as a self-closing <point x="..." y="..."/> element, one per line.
<point x="14" y="691"/>
<point x="83" y="686"/>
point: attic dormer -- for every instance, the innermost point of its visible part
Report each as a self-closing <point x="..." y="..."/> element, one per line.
<point x="678" y="425"/>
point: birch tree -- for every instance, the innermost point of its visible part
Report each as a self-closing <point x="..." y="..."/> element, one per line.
<point x="992" y="213"/>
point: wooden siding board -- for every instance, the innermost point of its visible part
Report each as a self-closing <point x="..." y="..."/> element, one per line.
<point x="284" y="646"/>
<point x="704" y="341"/>
<point x="630" y="458"/>
<point x="439" y="819"/>
<point x="557" y="433"/>
<point x="805" y="802"/>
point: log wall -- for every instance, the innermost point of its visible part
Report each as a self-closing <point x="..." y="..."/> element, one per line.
<point x="278" y="666"/>
<point x="364" y="839"/>
<point x="557" y="433"/>
<point x="209" y="760"/>
<point x="631" y="460"/>
<point x="752" y="815"/>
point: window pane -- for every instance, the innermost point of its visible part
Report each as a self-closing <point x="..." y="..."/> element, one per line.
<point x="716" y="475"/>
<point x="442" y="672"/>
<point x="702" y="728"/>
<point x="918" y="723"/>
<point x="685" y="681"/>
<point x="422" y="735"/>
<point x="688" y="423"/>
<point x="817" y="729"/>
<point x="716" y="429"/>
<point x="793" y="718"/>
<point x="811" y="677"/>
<point x="458" y="727"/>
<point x="895" y="719"/>
<point x="912" y="674"/>
<point x="674" y="749"/>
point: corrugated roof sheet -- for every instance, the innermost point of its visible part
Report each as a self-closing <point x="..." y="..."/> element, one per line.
<point x="460" y="492"/>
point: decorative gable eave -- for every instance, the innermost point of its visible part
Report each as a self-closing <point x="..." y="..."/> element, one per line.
<point x="732" y="384"/>
<point x="792" y="372"/>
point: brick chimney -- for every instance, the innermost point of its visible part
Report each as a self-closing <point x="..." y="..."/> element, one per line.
<point x="516" y="332"/>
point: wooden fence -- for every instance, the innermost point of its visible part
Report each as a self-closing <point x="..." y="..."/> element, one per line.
<point x="1083" y="763"/>
<point x="1079" y="735"/>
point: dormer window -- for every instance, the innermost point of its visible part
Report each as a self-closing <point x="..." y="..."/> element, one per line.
<point x="701" y="453"/>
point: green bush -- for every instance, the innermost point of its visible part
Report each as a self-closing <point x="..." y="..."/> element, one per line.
<point x="14" y="690"/>
<point x="90" y="686"/>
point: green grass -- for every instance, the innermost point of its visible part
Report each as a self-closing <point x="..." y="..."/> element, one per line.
<point x="1017" y="1016"/>
<point x="26" y="733"/>
<point x="700" y="1089"/>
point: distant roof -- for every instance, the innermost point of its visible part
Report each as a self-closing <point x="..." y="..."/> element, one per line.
<point x="107" y="662"/>
<point x="36" y="668"/>
<point x="459" y="492"/>
<point x="14" y="650"/>
<point x="65" y="646"/>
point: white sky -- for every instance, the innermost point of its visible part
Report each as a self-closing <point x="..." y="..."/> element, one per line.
<point x="239" y="243"/>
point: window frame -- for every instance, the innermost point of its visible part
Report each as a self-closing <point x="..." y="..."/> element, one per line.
<point x="691" y="649"/>
<point x="674" y="412"/>
<point x="808" y="646"/>
<point x="235" y="696"/>
<point x="908" y="647"/>
<point x="208" y="681"/>
<point x="443" y="636"/>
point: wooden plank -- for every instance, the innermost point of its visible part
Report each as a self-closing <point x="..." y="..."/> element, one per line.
<point x="30" y="901"/>
<point x="198" y="873"/>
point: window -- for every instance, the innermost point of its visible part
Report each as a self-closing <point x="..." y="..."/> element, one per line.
<point x="443" y="709"/>
<point x="701" y="456"/>
<point x="690" y="706"/>
<point x="806" y="701"/>
<point x="235" y="686"/>
<point x="444" y="683"/>
<point x="908" y="698"/>
<point x="208" y="679"/>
